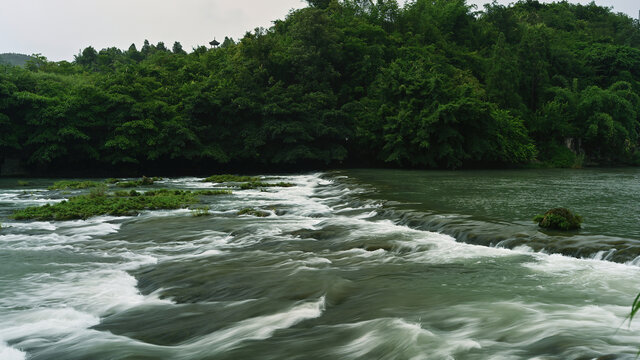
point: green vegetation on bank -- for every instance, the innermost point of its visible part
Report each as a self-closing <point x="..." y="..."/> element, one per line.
<point x="559" y="219"/>
<point x="433" y="83"/>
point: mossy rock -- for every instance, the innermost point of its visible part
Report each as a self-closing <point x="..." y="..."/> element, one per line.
<point x="559" y="219"/>
<point x="253" y="212"/>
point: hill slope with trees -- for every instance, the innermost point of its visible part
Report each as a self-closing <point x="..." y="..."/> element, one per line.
<point x="432" y="84"/>
<point x="14" y="59"/>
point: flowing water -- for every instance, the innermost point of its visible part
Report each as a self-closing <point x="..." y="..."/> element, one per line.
<point x="362" y="264"/>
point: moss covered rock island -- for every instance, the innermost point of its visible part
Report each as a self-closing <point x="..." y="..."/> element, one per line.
<point x="559" y="219"/>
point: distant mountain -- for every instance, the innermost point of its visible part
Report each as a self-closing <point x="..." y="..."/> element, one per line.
<point x="14" y="59"/>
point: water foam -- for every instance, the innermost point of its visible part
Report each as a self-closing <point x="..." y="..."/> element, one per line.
<point x="257" y="328"/>
<point x="9" y="353"/>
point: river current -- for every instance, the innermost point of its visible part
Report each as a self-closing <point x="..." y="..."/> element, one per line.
<point x="357" y="264"/>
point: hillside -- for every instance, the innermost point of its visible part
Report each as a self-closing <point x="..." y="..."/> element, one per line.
<point x="14" y="59"/>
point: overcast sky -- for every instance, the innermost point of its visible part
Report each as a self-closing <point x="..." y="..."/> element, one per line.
<point x="58" y="29"/>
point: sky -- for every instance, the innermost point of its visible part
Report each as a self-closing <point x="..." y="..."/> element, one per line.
<point x="59" y="29"/>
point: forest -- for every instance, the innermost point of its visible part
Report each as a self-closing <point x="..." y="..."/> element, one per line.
<point x="429" y="84"/>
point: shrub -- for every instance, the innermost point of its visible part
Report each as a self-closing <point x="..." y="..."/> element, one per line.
<point x="562" y="157"/>
<point x="98" y="191"/>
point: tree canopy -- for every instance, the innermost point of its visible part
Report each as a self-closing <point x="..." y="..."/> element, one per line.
<point x="431" y="84"/>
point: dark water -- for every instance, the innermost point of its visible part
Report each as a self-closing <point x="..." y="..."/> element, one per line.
<point x="365" y="264"/>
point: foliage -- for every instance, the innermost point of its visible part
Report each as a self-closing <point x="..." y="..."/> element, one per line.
<point x="423" y="84"/>
<point x="559" y="219"/>
<point x="253" y="212"/>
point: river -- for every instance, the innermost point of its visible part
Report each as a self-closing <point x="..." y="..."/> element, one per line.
<point x="351" y="264"/>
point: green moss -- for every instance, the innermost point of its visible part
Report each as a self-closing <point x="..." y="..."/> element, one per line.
<point x="202" y="211"/>
<point x="112" y="181"/>
<point x="24" y="183"/>
<point x="70" y="184"/>
<point x="253" y="212"/>
<point x="257" y="184"/>
<point x="86" y="206"/>
<point x="230" y="178"/>
<point x="559" y="219"/>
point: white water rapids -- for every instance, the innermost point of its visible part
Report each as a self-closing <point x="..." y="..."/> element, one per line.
<point x="324" y="276"/>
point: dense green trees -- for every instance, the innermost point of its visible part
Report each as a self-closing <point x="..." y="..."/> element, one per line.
<point x="360" y="82"/>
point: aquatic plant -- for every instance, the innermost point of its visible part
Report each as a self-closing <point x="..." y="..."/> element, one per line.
<point x="127" y="184"/>
<point x="230" y="178"/>
<point x="202" y="211"/>
<point x="253" y="212"/>
<point x="24" y="183"/>
<point x="144" y="181"/>
<point x="86" y="206"/>
<point x="98" y="191"/>
<point x="257" y="184"/>
<point x="71" y="184"/>
<point x="559" y="219"/>
<point x="213" y="192"/>
<point x="111" y="181"/>
<point x="635" y="307"/>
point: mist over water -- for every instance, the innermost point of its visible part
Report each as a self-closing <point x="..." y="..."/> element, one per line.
<point x="348" y="265"/>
